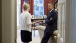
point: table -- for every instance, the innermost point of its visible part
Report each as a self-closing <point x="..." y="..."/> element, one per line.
<point x="36" y="20"/>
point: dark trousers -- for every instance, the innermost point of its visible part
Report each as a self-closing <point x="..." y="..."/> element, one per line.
<point x="46" y="37"/>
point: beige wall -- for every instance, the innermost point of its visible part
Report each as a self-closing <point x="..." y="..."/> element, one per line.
<point x="70" y="21"/>
<point x="72" y="32"/>
<point x="8" y="21"/>
<point x="67" y="22"/>
<point x="0" y="22"/>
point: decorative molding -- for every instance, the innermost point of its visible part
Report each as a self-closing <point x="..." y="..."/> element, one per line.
<point x="61" y="2"/>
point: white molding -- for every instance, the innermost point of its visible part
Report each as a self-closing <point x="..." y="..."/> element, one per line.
<point x="61" y="2"/>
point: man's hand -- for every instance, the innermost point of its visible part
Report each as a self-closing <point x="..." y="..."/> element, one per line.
<point x="33" y="23"/>
<point x="55" y="32"/>
<point x="50" y="18"/>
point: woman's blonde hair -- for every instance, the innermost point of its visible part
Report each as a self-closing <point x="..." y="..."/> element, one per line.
<point x="25" y="6"/>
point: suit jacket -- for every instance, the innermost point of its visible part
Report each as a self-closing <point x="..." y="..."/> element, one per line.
<point x="51" y="25"/>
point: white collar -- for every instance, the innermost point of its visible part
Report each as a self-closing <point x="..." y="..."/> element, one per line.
<point x="51" y="10"/>
<point x="25" y="11"/>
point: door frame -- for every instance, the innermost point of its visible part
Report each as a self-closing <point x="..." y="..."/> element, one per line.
<point x="0" y="21"/>
<point x="9" y="21"/>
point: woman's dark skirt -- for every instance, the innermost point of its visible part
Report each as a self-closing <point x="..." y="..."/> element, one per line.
<point x="26" y="36"/>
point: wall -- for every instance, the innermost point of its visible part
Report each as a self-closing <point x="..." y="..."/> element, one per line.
<point x="31" y="5"/>
<point x="67" y="24"/>
<point x="70" y="21"/>
<point x="72" y="32"/>
<point x="9" y="21"/>
<point x="22" y="1"/>
<point x="0" y="22"/>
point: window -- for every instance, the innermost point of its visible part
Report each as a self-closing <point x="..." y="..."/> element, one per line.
<point x="38" y="8"/>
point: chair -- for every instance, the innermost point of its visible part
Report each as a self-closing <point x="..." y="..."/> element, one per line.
<point x="52" y="39"/>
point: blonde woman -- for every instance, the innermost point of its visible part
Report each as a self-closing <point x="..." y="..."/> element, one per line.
<point x="25" y="24"/>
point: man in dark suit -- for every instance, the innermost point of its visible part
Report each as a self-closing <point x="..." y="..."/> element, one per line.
<point x="51" y="23"/>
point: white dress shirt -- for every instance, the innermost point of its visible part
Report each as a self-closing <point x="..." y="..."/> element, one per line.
<point x="51" y="10"/>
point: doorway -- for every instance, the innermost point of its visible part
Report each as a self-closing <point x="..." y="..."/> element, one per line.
<point x="36" y="11"/>
<point x="35" y="35"/>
